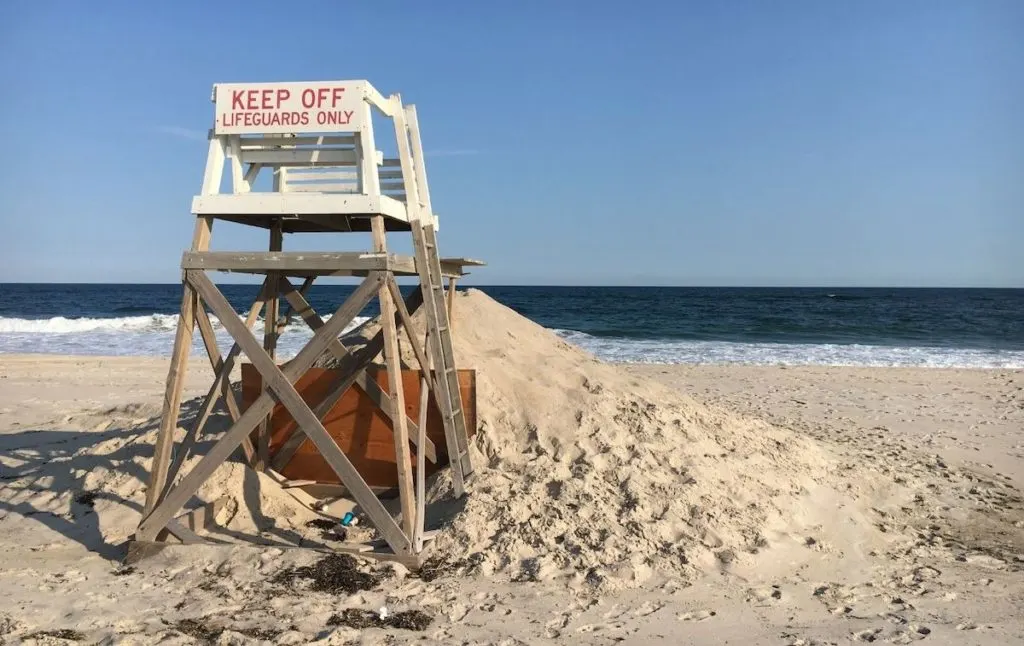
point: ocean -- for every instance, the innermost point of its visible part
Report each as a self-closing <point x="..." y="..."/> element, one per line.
<point x="972" y="328"/>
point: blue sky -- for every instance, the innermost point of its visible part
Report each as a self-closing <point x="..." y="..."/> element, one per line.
<point x="712" y="143"/>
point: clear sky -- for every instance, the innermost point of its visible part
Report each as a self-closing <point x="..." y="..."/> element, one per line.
<point x="711" y="143"/>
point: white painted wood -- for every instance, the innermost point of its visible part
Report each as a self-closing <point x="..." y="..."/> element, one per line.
<point x="258" y="203"/>
<point x="318" y="106"/>
<point x="300" y="174"/>
<point x="378" y="101"/>
<point x="252" y="172"/>
<point x="405" y="157"/>
<point x="419" y="163"/>
<point x="369" y="182"/>
<point x="323" y="188"/>
<point x="270" y="141"/>
<point x="238" y="182"/>
<point x="301" y="157"/>
<point x="214" y="166"/>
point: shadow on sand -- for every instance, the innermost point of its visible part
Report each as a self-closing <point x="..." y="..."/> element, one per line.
<point x="40" y="467"/>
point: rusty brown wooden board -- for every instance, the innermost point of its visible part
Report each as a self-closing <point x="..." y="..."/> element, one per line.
<point x="358" y="426"/>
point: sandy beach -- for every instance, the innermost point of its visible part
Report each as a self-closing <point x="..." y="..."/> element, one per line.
<point x="617" y="503"/>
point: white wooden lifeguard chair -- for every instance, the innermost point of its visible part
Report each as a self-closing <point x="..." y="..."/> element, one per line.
<point x="316" y="139"/>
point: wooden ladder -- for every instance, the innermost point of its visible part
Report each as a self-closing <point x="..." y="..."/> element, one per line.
<point x="446" y="378"/>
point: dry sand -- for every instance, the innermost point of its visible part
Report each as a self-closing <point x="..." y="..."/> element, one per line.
<point x="638" y="504"/>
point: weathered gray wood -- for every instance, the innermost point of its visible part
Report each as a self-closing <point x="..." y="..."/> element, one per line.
<point x="410" y="332"/>
<point x="221" y="387"/>
<point x="172" y="399"/>
<point x="306" y="420"/>
<point x="450" y="304"/>
<point x="216" y="361"/>
<point x="270" y="315"/>
<point x="347" y="375"/>
<point x="338" y="349"/>
<point x="407" y="492"/>
<point x="447" y="392"/>
<point x="286" y="261"/>
<point x="202" y="517"/>
<point x="421" y="478"/>
<point x="156" y="519"/>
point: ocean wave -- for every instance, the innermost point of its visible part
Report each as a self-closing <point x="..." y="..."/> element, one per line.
<point x="131" y="335"/>
<point x="149" y="323"/>
<point x="153" y="335"/>
<point x="62" y="325"/>
<point x="620" y="350"/>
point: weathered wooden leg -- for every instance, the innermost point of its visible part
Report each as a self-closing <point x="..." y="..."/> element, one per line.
<point x="176" y="376"/>
<point x="451" y="301"/>
<point x="156" y="520"/>
<point x="421" y="466"/>
<point x="407" y="494"/>
<point x="270" y="316"/>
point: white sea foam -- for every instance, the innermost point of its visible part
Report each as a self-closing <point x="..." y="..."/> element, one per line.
<point x="131" y="335"/>
<point x="153" y="335"/>
<point x="822" y="354"/>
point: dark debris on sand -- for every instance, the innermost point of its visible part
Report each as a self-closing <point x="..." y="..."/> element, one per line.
<point x="87" y="498"/>
<point x="335" y="573"/>
<point x="61" y="633"/>
<point x="436" y="567"/>
<point x="197" y="630"/>
<point x="360" y="619"/>
<point x="204" y="634"/>
<point x="329" y="529"/>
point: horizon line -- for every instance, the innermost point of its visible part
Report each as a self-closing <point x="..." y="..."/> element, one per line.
<point x="560" y="285"/>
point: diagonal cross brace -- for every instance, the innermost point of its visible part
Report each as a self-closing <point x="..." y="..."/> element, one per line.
<point x="340" y="352"/>
<point x="351" y="366"/>
<point x="280" y="386"/>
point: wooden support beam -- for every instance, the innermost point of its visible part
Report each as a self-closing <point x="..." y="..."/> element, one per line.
<point x="287" y="261"/>
<point x="285" y="392"/>
<point x="407" y="494"/>
<point x="202" y="517"/>
<point x="218" y="363"/>
<point x="340" y="352"/>
<point x="451" y="301"/>
<point x="421" y="467"/>
<point x="221" y="387"/>
<point x="181" y="350"/>
<point x="270" y="315"/>
<point x="154" y="521"/>
<point x="406" y="318"/>
<point x="348" y="371"/>
<point x="290" y="312"/>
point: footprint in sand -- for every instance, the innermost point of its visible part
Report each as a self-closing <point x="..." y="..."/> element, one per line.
<point x="696" y="615"/>
<point x="868" y="635"/>
<point x="766" y="594"/>
<point x="648" y="608"/>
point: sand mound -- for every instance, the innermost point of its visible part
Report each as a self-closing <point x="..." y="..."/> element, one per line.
<point x="583" y="470"/>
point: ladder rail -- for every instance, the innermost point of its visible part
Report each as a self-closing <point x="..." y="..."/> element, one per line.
<point x="428" y="266"/>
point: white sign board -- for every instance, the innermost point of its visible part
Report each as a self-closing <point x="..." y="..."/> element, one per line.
<point x="274" y="108"/>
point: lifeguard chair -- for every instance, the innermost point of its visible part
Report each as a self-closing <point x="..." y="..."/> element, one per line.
<point x="316" y="140"/>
